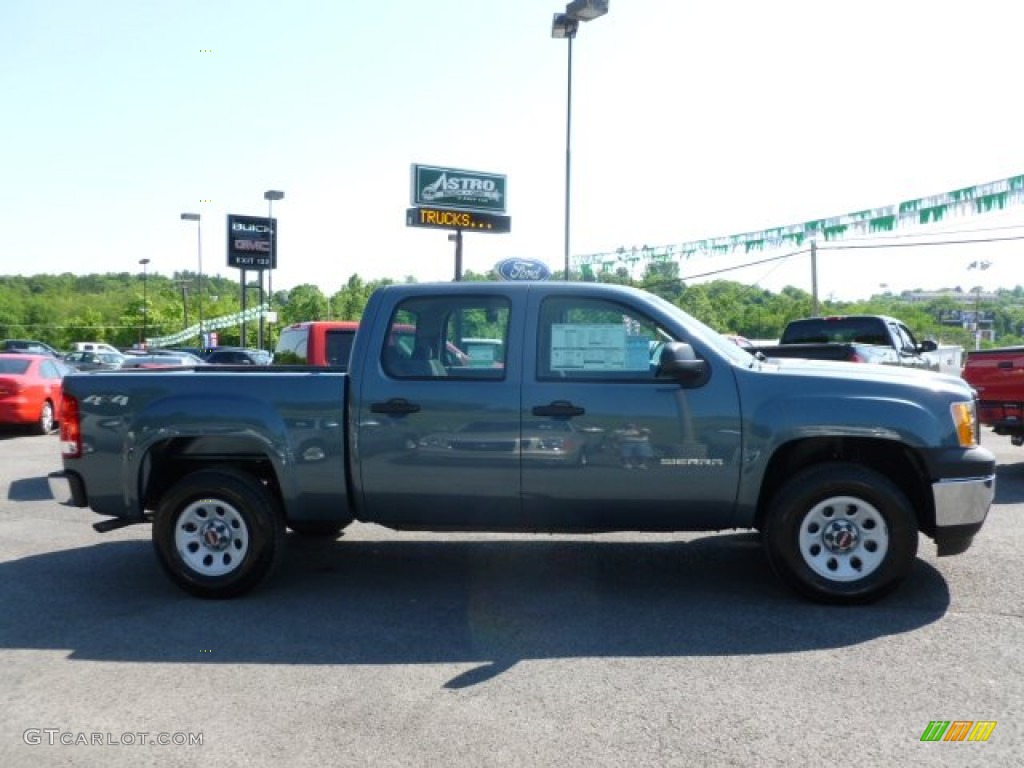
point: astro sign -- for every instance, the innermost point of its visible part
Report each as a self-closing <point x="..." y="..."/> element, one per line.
<point x="252" y="242"/>
<point x="469" y="221"/>
<point x="459" y="189"/>
<point x="522" y="269"/>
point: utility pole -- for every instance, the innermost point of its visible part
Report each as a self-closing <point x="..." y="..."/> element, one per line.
<point x="184" y="299"/>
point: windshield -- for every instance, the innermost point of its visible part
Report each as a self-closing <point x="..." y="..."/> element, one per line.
<point x="707" y="335"/>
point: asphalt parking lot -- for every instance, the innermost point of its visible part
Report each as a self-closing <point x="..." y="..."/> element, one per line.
<point x="405" y="649"/>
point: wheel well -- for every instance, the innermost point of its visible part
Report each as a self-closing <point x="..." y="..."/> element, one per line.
<point x="895" y="461"/>
<point x="169" y="461"/>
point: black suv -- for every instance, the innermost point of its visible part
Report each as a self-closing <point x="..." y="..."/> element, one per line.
<point x="238" y="356"/>
<point x="28" y="345"/>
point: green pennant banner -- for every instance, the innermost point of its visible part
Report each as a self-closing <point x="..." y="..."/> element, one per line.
<point x="969" y="201"/>
<point x="212" y="324"/>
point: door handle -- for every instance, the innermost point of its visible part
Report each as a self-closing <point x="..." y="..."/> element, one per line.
<point x="395" y="406"/>
<point x="559" y="409"/>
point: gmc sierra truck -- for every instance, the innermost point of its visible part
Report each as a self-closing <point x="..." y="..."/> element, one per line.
<point x="854" y="339"/>
<point x="611" y="410"/>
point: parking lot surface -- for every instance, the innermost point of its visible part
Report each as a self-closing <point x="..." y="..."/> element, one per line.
<point x="414" y="649"/>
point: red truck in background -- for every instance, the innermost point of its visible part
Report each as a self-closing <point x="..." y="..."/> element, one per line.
<point x="316" y="342"/>
<point x="998" y="377"/>
<point x="328" y="343"/>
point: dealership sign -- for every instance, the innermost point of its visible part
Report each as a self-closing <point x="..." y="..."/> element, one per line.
<point x="458" y="189"/>
<point x="470" y="221"/>
<point x="252" y="242"/>
<point x="522" y="269"/>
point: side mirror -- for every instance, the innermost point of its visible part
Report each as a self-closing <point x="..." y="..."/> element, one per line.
<point x="679" y="361"/>
<point x="928" y="345"/>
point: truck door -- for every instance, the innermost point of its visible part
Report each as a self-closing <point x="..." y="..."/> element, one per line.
<point x="437" y="432"/>
<point x="606" y="443"/>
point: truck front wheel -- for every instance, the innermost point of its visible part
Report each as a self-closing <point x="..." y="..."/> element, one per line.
<point x="218" y="533"/>
<point x="840" y="533"/>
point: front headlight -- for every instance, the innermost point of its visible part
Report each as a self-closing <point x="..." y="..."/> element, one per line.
<point x="965" y="421"/>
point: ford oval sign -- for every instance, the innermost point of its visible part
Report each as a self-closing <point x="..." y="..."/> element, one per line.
<point x="523" y="269"/>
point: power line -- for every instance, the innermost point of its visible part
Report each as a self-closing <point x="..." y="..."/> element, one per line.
<point x="937" y="232"/>
<point x="863" y="246"/>
<point x="836" y="247"/>
<point x="745" y="266"/>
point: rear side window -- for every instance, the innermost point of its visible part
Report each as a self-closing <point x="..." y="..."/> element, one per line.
<point x="427" y="337"/>
<point x="8" y="365"/>
<point x="48" y="370"/>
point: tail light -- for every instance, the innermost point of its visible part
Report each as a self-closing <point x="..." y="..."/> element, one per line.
<point x="856" y="358"/>
<point x="9" y="387"/>
<point x="70" y="428"/>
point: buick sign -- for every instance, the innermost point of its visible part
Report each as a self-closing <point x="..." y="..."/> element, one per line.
<point x="522" y="269"/>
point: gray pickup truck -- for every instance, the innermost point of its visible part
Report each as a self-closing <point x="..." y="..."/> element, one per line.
<point x="607" y="409"/>
<point x="874" y="339"/>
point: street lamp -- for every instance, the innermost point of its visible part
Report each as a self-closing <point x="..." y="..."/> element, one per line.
<point x="145" y="301"/>
<point x="199" y="283"/>
<point x="564" y="27"/>
<point x="270" y="196"/>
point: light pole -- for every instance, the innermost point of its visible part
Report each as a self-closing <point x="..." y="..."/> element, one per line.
<point x="199" y="283"/>
<point x="145" y="300"/>
<point x="270" y="196"/>
<point x="564" y="26"/>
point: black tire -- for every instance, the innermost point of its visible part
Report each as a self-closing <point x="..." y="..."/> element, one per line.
<point x="326" y="529"/>
<point x="44" y="424"/>
<point x="842" y="534"/>
<point x="218" y="533"/>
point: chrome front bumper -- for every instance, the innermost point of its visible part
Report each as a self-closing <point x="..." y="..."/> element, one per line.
<point x="963" y="501"/>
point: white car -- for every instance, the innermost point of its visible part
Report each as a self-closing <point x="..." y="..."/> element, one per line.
<point x="94" y="346"/>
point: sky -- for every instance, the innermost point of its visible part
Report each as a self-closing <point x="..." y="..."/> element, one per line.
<point x="689" y="121"/>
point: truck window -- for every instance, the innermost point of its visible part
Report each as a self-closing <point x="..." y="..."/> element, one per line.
<point x="425" y="333"/>
<point x="591" y="340"/>
<point x="292" y="345"/>
<point x="339" y="346"/>
<point x="905" y="338"/>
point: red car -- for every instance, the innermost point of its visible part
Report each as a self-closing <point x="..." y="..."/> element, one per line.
<point x="30" y="390"/>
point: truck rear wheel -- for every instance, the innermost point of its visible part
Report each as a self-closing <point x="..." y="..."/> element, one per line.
<point x="840" y="533"/>
<point x="218" y="533"/>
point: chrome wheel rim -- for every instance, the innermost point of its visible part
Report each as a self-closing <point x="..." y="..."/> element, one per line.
<point x="46" y="418"/>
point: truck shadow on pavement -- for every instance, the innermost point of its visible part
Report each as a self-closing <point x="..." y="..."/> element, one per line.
<point x="490" y="602"/>
<point x="29" y="489"/>
<point x="1009" y="483"/>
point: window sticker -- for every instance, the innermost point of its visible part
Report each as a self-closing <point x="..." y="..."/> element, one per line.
<point x="597" y="347"/>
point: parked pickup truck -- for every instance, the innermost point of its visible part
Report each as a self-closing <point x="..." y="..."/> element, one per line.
<point x="854" y="339"/>
<point x="998" y="377"/>
<point x="613" y="410"/>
